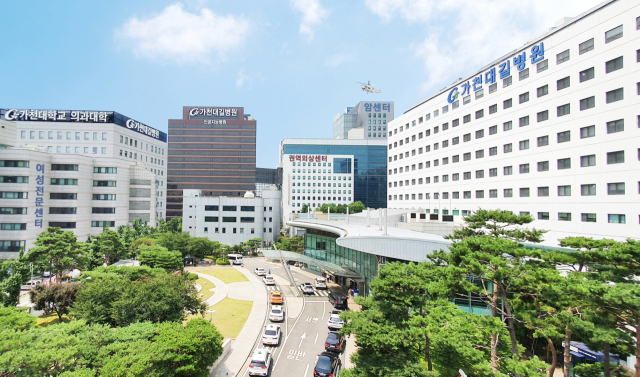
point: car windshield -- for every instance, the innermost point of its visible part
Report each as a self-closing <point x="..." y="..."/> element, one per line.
<point x="276" y="311"/>
<point x="324" y="365"/>
<point x="276" y="295"/>
<point x="270" y="332"/>
<point x="334" y="319"/>
<point x="257" y="363"/>
<point x="269" y="278"/>
<point x="332" y="336"/>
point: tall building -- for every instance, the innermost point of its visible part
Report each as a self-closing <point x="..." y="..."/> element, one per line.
<point x="212" y="149"/>
<point x="550" y="129"/>
<point x="368" y="119"/>
<point x="95" y="134"/>
<point x="318" y="171"/>
<point x="265" y="178"/>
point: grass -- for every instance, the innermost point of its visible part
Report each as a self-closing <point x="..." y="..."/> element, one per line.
<point x="51" y="319"/>
<point x="206" y="286"/>
<point x="229" y="317"/>
<point x="227" y="275"/>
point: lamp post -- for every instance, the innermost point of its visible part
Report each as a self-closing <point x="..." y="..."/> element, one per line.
<point x="211" y="311"/>
<point x="223" y="253"/>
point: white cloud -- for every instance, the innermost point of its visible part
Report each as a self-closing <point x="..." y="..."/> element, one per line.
<point x="247" y="79"/>
<point x="336" y="60"/>
<point x="312" y="15"/>
<point x="466" y="35"/>
<point x="183" y="37"/>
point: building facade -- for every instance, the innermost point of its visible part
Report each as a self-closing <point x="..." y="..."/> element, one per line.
<point x="370" y="117"/>
<point x="80" y="193"/>
<point x="95" y="134"/>
<point x="212" y="149"/>
<point x="550" y="129"/>
<point x="267" y="177"/>
<point x="233" y="220"/>
<point x="318" y="171"/>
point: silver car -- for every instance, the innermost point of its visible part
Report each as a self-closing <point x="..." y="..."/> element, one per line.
<point x="306" y="288"/>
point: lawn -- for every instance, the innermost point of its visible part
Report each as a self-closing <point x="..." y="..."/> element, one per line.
<point x="206" y="286"/>
<point x="227" y="275"/>
<point x="229" y="317"/>
<point x="51" y="319"/>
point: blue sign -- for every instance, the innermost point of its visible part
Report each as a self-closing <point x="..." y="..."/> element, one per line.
<point x="39" y="195"/>
<point x="377" y="107"/>
<point x="453" y="94"/>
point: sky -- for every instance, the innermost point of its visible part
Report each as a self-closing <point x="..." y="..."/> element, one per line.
<point x="292" y="64"/>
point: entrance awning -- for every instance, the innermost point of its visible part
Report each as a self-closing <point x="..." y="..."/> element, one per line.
<point x="332" y="268"/>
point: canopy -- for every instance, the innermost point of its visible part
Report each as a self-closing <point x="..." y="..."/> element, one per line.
<point x="332" y="268"/>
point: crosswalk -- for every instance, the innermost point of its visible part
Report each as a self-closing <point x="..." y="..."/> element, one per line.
<point x="323" y="293"/>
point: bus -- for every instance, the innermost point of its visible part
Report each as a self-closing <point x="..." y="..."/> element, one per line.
<point x="235" y="259"/>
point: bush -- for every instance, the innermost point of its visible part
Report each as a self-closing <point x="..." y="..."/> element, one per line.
<point x="191" y="276"/>
<point x="221" y="262"/>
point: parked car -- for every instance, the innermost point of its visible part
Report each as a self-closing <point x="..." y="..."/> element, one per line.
<point x="260" y="271"/>
<point x="334" y="342"/>
<point x="328" y="365"/>
<point x="334" y="322"/>
<point x="306" y="288"/>
<point x="271" y="335"/>
<point x="276" y="297"/>
<point x="338" y="300"/>
<point x="321" y="283"/>
<point x="46" y="274"/>
<point x="260" y="362"/>
<point x="269" y="280"/>
<point x="276" y="314"/>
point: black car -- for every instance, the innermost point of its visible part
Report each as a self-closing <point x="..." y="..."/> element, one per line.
<point x="334" y="342"/>
<point x="338" y="300"/>
<point x="328" y="365"/>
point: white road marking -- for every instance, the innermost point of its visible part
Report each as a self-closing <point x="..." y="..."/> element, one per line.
<point x="324" y="308"/>
<point x="306" y="370"/>
<point x="302" y="338"/>
<point x="315" y="341"/>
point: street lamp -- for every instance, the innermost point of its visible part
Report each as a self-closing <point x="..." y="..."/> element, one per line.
<point x="223" y="254"/>
<point x="211" y="311"/>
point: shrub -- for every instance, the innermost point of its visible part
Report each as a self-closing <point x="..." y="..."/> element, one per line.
<point x="191" y="276"/>
<point x="221" y="262"/>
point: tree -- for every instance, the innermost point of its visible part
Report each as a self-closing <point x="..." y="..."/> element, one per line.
<point x="159" y="257"/>
<point x="356" y="207"/>
<point x="133" y="248"/>
<point x="10" y="285"/>
<point x="178" y="241"/>
<point x="58" y="251"/>
<point x="305" y="208"/>
<point x="54" y="298"/>
<point x="14" y="319"/>
<point x="137" y="229"/>
<point x="290" y="244"/>
<point x="106" y="248"/>
<point x="201" y="247"/>
<point x="500" y="224"/>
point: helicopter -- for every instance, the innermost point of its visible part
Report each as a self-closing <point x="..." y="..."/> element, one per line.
<point x="368" y="88"/>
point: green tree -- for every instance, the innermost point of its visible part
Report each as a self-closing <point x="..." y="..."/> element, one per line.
<point x="159" y="257"/>
<point x="178" y="241"/>
<point x="58" y="251"/>
<point x="133" y="248"/>
<point x="137" y="229"/>
<point x="10" y="285"/>
<point x="54" y="298"/>
<point x="201" y="247"/>
<point x="356" y="207"/>
<point x="305" y="208"/>
<point x="500" y="224"/>
<point x="14" y="319"/>
<point x="106" y="248"/>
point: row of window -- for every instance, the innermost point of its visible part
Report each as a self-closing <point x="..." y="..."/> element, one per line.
<point x="323" y="191"/>
<point x="134" y="143"/>
<point x="320" y="178"/>
<point x="234" y="230"/>
<point x="314" y="164"/>
<point x="215" y="219"/>
<point x="58" y="224"/>
<point x="562" y="216"/>
<point x="74" y="182"/>
<point x="60" y="135"/>
<point x="54" y="195"/>
<point x="324" y="198"/>
<point x="56" y="210"/>
<point x="77" y="150"/>
<point x="323" y="185"/>
<point x="325" y="171"/>
<point x="561" y="57"/>
<point x="234" y="208"/>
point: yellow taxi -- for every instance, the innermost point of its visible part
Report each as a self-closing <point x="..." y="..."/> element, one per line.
<point x="276" y="297"/>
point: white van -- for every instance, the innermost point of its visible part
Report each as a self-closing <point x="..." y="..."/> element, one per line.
<point x="321" y="283"/>
<point x="235" y="259"/>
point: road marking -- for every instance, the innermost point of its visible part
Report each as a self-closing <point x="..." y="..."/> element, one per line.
<point x="302" y="338"/>
<point x="315" y="341"/>
<point x="287" y="337"/>
<point x="324" y="308"/>
<point x="306" y="370"/>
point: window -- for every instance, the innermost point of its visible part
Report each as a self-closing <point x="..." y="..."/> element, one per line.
<point x="506" y="82"/>
<point x="542" y="91"/>
<point x="14" y="164"/>
<point x="564" y="83"/>
<point x="493" y="193"/>
<point x="543" y="215"/>
<point x="63" y="196"/>
<point x="524" y="74"/>
<point x="589" y="131"/>
<point x="587" y="103"/>
<point x="493" y="87"/>
<point x="229" y="219"/>
<point x="104" y="197"/>
<point x="466" y="118"/>
<point x="543" y="191"/>
<point x="455" y="123"/>
<point x="479" y="173"/>
<point x="102" y="224"/>
<point x="562" y="57"/>
<point x="467" y="156"/>
<point x="13" y="179"/>
<point x="614" y="64"/>
<point x="524" y="121"/>
<point x="211" y="208"/>
<point x="493" y="130"/>
<point x="564" y="163"/>
<point x="524" y="168"/>
<point x="103" y="210"/>
<point x="564" y="190"/>
<point x="64" y="181"/>
<point x="543" y="115"/>
<point x="508" y="170"/>
<point x="466" y="175"/>
<point x="104" y="183"/>
<point x="524" y="144"/>
<point x="493" y="109"/>
<point x="13" y="226"/>
<point x="524" y="97"/>
<point x="508" y="193"/>
<point x="615" y="188"/>
<point x="455" y="177"/>
<point x="589" y="160"/>
<point x="479" y="134"/>
<point x="479" y="94"/>
<point x="586" y="46"/>
<point x="589" y="217"/>
<point x="455" y="158"/>
<point x="247" y="208"/>
<point x="543" y="166"/>
<point x="62" y="225"/>
<point x="563" y="137"/>
<point x="615" y="126"/>
<point x="493" y="151"/>
<point x="506" y="126"/>
<point x="587" y="74"/>
<point x="466" y="137"/>
<point x="615" y="95"/>
<point x="479" y="194"/>
<point x="102" y="170"/>
<point x="506" y="104"/>
<point x="617" y="219"/>
<point x="564" y="110"/>
<point x="493" y="172"/>
<point x="507" y="148"/>
<point x="524" y="192"/>
<point x="542" y="66"/>
<point x="615" y="157"/>
<point x="564" y="216"/>
<point x="588" y="190"/>
<point x="229" y="208"/>
<point x="466" y="195"/>
<point x="613" y="34"/>
<point x="479" y="113"/>
<point x="13" y="211"/>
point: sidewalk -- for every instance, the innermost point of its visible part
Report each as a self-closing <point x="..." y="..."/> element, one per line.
<point x="220" y="292"/>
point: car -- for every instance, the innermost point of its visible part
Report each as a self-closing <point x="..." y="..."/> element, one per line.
<point x="46" y="274"/>
<point x="334" y="342"/>
<point x="276" y="297"/>
<point x="269" y="280"/>
<point x="321" y="283"/>
<point x="328" y="365"/>
<point x="306" y="288"/>
<point x="260" y="362"/>
<point x="260" y="271"/>
<point x="271" y="335"/>
<point x="276" y="314"/>
<point x="338" y="300"/>
<point x="334" y="322"/>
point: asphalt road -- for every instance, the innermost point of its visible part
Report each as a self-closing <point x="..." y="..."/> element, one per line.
<point x="298" y="351"/>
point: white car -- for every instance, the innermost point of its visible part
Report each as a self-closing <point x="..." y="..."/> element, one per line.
<point x="260" y="271"/>
<point x="268" y="280"/>
<point x="271" y="335"/>
<point x="260" y="362"/>
<point x="306" y="288"/>
<point x="276" y="314"/>
<point x="321" y="283"/>
<point x="334" y="322"/>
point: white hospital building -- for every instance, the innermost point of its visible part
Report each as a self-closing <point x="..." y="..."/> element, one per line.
<point x="550" y="129"/>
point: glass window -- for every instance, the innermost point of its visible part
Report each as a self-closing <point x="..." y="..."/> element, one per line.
<point x="589" y="160"/>
<point x="542" y="66"/>
<point x="589" y="131"/>
<point x="506" y="126"/>
<point x="617" y="219"/>
<point x="615" y="157"/>
<point x="615" y="188"/>
<point x="506" y="82"/>
<point x="587" y="103"/>
<point x="543" y="166"/>
<point x="562" y="57"/>
<point x="588" y="190"/>
<point x="615" y="126"/>
<point x="524" y="192"/>
<point x="587" y="74"/>
<point x="542" y="91"/>
<point x="613" y="34"/>
<point x="507" y="103"/>
<point x="564" y="110"/>
<point x="564" y="137"/>
<point x="524" y="74"/>
<point x="508" y="193"/>
<point x="543" y="191"/>
<point x="564" y="216"/>
<point x="589" y="217"/>
<point x="615" y="95"/>
<point x="564" y="163"/>
<point x="586" y="46"/>
<point x="543" y="215"/>
<point x="524" y="121"/>
<point x="524" y="97"/>
<point x="524" y="144"/>
<point x="564" y="83"/>
<point x="543" y="115"/>
<point x="508" y="170"/>
<point x="614" y="64"/>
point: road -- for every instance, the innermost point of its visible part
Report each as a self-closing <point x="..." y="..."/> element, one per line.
<point x="298" y="351"/>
